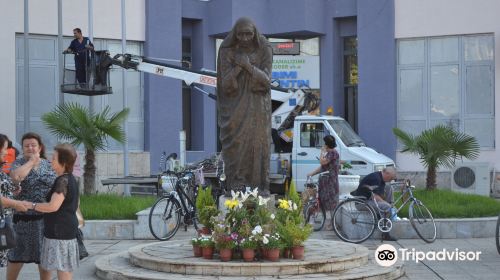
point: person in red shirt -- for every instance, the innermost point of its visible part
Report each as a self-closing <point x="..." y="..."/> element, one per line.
<point x="9" y="157"/>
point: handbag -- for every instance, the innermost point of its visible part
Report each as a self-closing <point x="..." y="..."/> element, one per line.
<point x="7" y="233"/>
<point x="81" y="247"/>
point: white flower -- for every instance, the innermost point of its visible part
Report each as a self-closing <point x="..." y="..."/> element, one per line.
<point x="272" y="216"/>
<point x="265" y="240"/>
<point x="255" y="192"/>
<point x="244" y="197"/>
<point x="235" y="194"/>
<point x="263" y="201"/>
<point x="294" y="206"/>
<point x="257" y="230"/>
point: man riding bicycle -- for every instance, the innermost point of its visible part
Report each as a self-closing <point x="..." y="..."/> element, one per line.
<point x="375" y="183"/>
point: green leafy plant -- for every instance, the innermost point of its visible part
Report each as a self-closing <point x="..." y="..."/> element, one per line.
<point x="205" y="207"/>
<point x="196" y="241"/>
<point x="271" y="241"/>
<point x="438" y="146"/>
<point x="77" y="124"/>
<point x="206" y="241"/>
<point x="296" y="234"/>
<point x="249" y="243"/>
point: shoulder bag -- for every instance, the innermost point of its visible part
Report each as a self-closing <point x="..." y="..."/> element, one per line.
<point x="7" y="233"/>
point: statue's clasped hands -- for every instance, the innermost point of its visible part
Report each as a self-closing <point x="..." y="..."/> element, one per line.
<point x="244" y="62"/>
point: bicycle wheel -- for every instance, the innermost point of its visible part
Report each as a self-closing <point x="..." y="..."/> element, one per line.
<point x="315" y="215"/>
<point x="497" y="234"/>
<point x="354" y="220"/>
<point x="164" y="218"/>
<point x="422" y="221"/>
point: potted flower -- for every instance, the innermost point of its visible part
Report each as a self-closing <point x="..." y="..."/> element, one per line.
<point x="248" y="246"/>
<point x="196" y="241"/>
<point x="271" y="243"/>
<point x="207" y="246"/>
<point x="297" y="234"/>
<point x="206" y="209"/>
<point x="225" y="244"/>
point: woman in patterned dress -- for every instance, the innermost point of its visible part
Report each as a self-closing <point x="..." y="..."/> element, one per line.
<point x="60" y="248"/>
<point x="36" y="176"/>
<point x="328" y="191"/>
<point x="6" y="190"/>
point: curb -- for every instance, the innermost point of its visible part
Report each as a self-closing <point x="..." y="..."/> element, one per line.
<point x="446" y="228"/>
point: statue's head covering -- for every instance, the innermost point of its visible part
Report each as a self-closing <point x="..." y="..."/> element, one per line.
<point x="231" y="40"/>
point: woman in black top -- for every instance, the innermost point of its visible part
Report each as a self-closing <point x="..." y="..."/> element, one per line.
<point x="60" y="248"/>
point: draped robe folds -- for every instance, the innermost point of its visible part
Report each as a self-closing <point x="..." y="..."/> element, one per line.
<point x="244" y="114"/>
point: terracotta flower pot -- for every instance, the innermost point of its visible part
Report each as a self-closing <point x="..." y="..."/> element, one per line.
<point x="248" y="255"/>
<point x="273" y="254"/>
<point x="298" y="252"/>
<point x="197" y="251"/>
<point x="207" y="252"/>
<point x="225" y="254"/>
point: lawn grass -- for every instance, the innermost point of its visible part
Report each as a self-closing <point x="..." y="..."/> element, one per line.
<point x="449" y="204"/>
<point x="441" y="203"/>
<point x="113" y="207"/>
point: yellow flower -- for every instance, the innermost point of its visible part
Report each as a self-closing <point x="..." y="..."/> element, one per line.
<point x="231" y="203"/>
<point x="283" y="204"/>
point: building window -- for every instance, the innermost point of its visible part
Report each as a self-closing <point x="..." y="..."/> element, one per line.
<point x="350" y="73"/>
<point x="44" y="88"/>
<point x="447" y="80"/>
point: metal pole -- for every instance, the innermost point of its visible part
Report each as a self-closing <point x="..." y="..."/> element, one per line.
<point x="126" y="191"/>
<point x="26" y="69"/>
<point x="91" y="38"/>
<point x="60" y="49"/>
<point x="182" y="140"/>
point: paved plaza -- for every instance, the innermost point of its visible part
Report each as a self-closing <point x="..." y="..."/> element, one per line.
<point x="488" y="266"/>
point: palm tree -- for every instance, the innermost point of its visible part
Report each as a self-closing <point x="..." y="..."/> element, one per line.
<point x="438" y="146"/>
<point x="76" y="124"/>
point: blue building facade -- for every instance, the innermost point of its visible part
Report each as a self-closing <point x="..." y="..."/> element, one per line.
<point x="195" y="25"/>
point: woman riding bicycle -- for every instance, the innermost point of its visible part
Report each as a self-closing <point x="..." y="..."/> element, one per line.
<point x="328" y="191"/>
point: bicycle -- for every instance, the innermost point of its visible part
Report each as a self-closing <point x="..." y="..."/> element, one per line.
<point x="354" y="220"/>
<point x="314" y="212"/>
<point x="165" y="214"/>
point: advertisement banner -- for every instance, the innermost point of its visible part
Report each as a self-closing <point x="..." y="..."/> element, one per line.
<point x="296" y="71"/>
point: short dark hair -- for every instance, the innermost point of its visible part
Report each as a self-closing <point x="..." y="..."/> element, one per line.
<point x="66" y="156"/>
<point x="3" y="139"/>
<point x="78" y="30"/>
<point x="330" y="141"/>
<point x="38" y="138"/>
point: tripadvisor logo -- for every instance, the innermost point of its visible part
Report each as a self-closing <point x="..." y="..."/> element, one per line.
<point x="387" y="255"/>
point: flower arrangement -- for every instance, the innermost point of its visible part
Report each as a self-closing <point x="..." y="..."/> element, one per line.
<point x="249" y="243"/>
<point x="271" y="241"/>
<point x="196" y="241"/>
<point x="206" y="241"/>
<point x="223" y="238"/>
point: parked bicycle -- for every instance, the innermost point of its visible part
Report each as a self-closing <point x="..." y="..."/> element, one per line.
<point x="314" y="212"/>
<point x="175" y="205"/>
<point x="354" y="220"/>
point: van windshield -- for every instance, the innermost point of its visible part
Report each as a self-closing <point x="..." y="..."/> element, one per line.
<point x="346" y="133"/>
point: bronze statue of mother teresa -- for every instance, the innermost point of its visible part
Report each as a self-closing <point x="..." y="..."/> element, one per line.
<point x="244" y="67"/>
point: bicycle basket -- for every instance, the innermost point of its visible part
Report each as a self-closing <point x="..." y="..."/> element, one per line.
<point x="309" y="192"/>
<point x="168" y="183"/>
